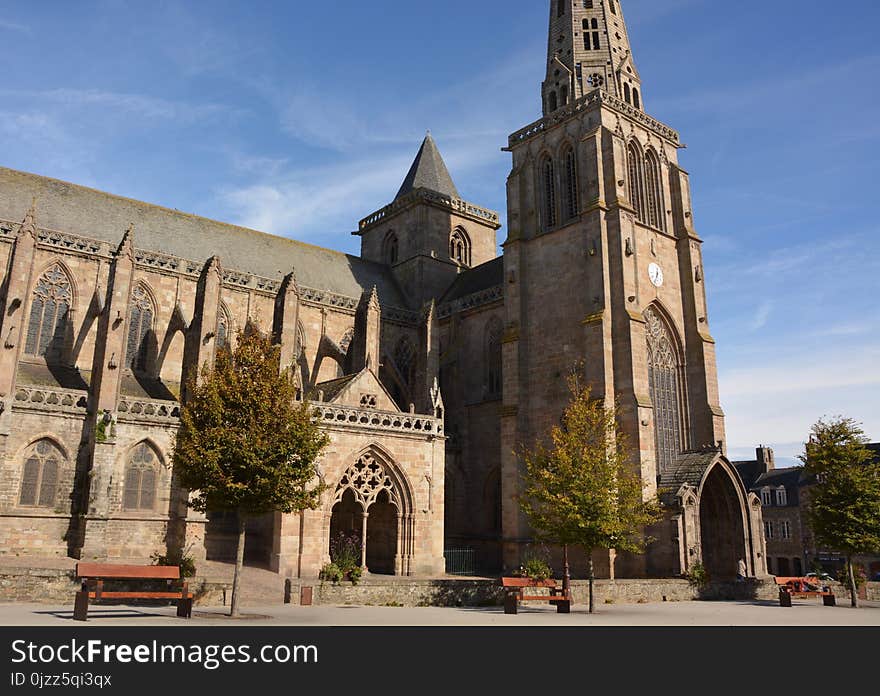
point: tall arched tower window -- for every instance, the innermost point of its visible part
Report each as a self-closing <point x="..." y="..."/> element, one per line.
<point x="141" y="479"/>
<point x="460" y="247"/>
<point x="634" y="165"/>
<point x="571" y="184"/>
<point x="548" y="189"/>
<point x="391" y="251"/>
<point x="50" y="312"/>
<point x="224" y="327"/>
<point x="493" y="358"/>
<point x="666" y="388"/>
<point x="140" y="328"/>
<point x="654" y="191"/>
<point x="39" y="481"/>
<point x="405" y="359"/>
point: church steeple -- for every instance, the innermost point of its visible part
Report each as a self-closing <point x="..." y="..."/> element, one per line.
<point x="588" y="48"/>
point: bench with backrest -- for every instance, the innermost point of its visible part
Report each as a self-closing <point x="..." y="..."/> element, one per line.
<point x="93" y="576"/>
<point x="790" y="588"/>
<point x="516" y="589"/>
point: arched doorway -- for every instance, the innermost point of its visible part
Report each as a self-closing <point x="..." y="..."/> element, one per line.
<point x="374" y="486"/>
<point x="721" y="526"/>
<point x="382" y="535"/>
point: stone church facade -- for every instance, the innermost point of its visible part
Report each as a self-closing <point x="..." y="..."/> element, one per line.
<point x="428" y="358"/>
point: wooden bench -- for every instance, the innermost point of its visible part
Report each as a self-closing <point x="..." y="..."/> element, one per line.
<point x="515" y="592"/>
<point x="789" y="588"/>
<point x="94" y="574"/>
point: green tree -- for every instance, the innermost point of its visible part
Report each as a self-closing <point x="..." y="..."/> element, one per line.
<point x="844" y="504"/>
<point x="580" y="488"/>
<point x="245" y="444"/>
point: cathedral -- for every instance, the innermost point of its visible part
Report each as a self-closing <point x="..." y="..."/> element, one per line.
<point x="429" y="359"/>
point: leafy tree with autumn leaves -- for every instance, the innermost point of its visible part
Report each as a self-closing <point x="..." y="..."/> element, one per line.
<point x="843" y="509"/>
<point x="581" y="488"/>
<point x="245" y="443"/>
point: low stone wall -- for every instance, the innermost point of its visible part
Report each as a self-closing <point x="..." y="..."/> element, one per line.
<point x="58" y="586"/>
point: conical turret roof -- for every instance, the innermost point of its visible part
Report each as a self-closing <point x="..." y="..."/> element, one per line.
<point x="428" y="171"/>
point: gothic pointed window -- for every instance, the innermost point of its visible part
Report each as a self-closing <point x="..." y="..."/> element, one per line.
<point x="665" y="384"/>
<point x="571" y="184"/>
<point x="634" y="160"/>
<point x="39" y="481"/>
<point x="548" y="186"/>
<point x="224" y="325"/>
<point x="141" y="479"/>
<point x="405" y="360"/>
<point x="655" y="216"/>
<point x="626" y="93"/>
<point x="391" y="251"/>
<point x="50" y="315"/>
<point x="637" y="102"/>
<point x="493" y="358"/>
<point x="460" y="247"/>
<point x="140" y="329"/>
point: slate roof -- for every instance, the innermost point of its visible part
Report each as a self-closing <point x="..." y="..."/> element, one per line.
<point x="86" y="212"/>
<point x="476" y="279"/>
<point x="689" y="469"/>
<point x="428" y="171"/>
<point x="332" y="387"/>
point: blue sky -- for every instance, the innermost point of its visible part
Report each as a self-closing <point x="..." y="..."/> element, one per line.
<point x="300" y="118"/>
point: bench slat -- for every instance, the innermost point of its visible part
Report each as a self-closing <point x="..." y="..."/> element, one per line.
<point x="111" y="571"/>
<point x="141" y="595"/>
<point x="526" y="582"/>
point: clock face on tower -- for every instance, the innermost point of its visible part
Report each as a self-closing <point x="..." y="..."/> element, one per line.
<point x="655" y="273"/>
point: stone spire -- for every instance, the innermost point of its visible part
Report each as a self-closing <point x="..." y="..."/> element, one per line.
<point x="428" y="171"/>
<point x="588" y="48"/>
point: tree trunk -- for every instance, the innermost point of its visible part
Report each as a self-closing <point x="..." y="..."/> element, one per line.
<point x="592" y="578"/>
<point x="239" y="562"/>
<point x="853" y="588"/>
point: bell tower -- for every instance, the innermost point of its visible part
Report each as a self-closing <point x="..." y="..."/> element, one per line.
<point x="588" y="48"/>
<point x="603" y="275"/>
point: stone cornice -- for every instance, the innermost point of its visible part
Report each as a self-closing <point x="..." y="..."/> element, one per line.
<point x="472" y="301"/>
<point x="589" y="101"/>
<point x="421" y="195"/>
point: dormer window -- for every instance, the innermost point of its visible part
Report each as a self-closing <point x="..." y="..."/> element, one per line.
<point x="766" y="497"/>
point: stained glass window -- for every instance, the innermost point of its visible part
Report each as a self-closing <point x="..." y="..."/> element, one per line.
<point x="141" y="475"/>
<point x="50" y="310"/>
<point x="664" y="375"/>
<point x="39" y="482"/>
<point x="140" y="326"/>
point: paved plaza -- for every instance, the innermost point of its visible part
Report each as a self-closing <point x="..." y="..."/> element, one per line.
<point x="803" y="613"/>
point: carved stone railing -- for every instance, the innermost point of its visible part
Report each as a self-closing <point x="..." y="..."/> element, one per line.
<point x="400" y="315"/>
<point x="456" y="205"/>
<point x="165" y="262"/>
<point x="587" y="102"/>
<point x="143" y="410"/>
<point x="477" y="299"/>
<point x="56" y="400"/>
<point x="329" y="299"/>
<point x="378" y="420"/>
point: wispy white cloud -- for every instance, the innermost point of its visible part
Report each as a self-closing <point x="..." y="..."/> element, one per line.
<point x="761" y="316"/>
<point x="14" y="26"/>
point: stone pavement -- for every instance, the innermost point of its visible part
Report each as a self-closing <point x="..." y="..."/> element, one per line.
<point x="756" y="613"/>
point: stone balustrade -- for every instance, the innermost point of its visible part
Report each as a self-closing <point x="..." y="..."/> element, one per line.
<point x="45" y="399"/>
<point x="142" y="410"/>
<point x="378" y="420"/>
<point x="477" y="299"/>
<point x="586" y="102"/>
<point x="454" y="204"/>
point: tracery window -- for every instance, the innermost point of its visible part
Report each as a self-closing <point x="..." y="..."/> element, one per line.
<point x="460" y="247"/>
<point x="404" y="358"/>
<point x="141" y="476"/>
<point x="39" y="481"/>
<point x="664" y="376"/>
<point x="549" y="192"/>
<point x="781" y="496"/>
<point x="223" y="328"/>
<point x="636" y="180"/>
<point x="493" y="359"/>
<point x="571" y="184"/>
<point x="654" y="192"/>
<point x="140" y="327"/>
<point x="766" y="497"/>
<point x="50" y="311"/>
<point x="367" y="479"/>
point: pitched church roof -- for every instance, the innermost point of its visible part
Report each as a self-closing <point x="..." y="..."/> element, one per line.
<point x="476" y="279"/>
<point x="85" y="212"/>
<point x="428" y="171"/>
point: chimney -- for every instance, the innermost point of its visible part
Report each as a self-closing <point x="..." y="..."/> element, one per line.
<point x="766" y="461"/>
